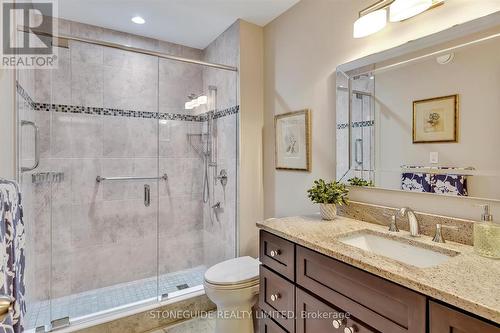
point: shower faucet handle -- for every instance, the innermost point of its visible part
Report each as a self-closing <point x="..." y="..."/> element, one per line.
<point x="222" y="177"/>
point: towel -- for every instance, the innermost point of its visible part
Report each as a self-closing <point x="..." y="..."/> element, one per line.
<point x="449" y="184"/>
<point x="416" y="182"/>
<point x="12" y="254"/>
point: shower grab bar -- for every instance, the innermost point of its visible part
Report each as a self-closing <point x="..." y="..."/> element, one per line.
<point x="100" y="179"/>
<point x="37" y="146"/>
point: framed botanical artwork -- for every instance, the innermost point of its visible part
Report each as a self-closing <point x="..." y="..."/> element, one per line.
<point x="435" y="120"/>
<point x="293" y="141"/>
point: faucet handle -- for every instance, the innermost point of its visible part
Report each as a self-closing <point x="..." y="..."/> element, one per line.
<point x="438" y="236"/>
<point x="392" y="216"/>
<point x="393" y="226"/>
<point x="486" y="215"/>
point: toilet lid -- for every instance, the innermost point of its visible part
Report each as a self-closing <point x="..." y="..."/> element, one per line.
<point x="234" y="271"/>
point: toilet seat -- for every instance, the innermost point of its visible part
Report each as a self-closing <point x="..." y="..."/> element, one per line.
<point x="235" y="273"/>
<point x="248" y="284"/>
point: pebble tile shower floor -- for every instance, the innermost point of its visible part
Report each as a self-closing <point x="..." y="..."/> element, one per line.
<point x="97" y="300"/>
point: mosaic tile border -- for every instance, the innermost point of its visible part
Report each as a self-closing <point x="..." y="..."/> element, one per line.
<point x="356" y="124"/>
<point x="44" y="107"/>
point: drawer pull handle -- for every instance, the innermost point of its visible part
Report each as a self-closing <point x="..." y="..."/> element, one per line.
<point x="350" y="329"/>
<point x="337" y="323"/>
<point x="275" y="253"/>
<point x="275" y="297"/>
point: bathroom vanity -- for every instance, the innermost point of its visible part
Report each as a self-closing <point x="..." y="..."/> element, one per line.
<point x="312" y="276"/>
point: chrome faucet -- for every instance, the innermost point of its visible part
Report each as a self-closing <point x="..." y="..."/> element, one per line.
<point x="412" y="220"/>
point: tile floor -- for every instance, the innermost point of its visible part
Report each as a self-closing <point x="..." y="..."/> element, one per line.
<point x="199" y="325"/>
<point x="102" y="299"/>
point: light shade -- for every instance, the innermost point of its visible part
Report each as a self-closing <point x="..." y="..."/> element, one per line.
<point x="202" y="100"/>
<point x="370" y="23"/>
<point x="403" y="9"/>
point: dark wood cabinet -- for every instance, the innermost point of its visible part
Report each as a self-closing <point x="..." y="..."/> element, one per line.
<point x="387" y="306"/>
<point x="277" y="298"/>
<point x="278" y="254"/>
<point x="267" y="325"/>
<point x="298" y="284"/>
<point x="443" y="319"/>
<point x="313" y="315"/>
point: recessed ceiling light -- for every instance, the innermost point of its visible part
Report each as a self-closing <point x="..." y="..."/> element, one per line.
<point x="138" y="20"/>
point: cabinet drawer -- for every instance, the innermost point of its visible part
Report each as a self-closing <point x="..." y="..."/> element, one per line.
<point x="387" y="306"/>
<point x="315" y="316"/>
<point x="445" y="320"/>
<point x="267" y="325"/>
<point x="278" y="254"/>
<point x="277" y="298"/>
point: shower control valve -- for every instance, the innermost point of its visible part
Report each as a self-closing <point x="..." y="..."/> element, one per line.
<point x="222" y="177"/>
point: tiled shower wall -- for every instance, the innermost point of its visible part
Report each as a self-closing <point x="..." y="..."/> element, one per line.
<point x="223" y="50"/>
<point x="102" y="233"/>
<point x="362" y="127"/>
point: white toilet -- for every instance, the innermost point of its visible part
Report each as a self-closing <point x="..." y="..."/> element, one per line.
<point x="233" y="285"/>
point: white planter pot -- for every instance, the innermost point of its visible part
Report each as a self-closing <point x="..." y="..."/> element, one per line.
<point x="328" y="211"/>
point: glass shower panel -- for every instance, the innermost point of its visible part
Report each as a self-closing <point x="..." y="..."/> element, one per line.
<point x="362" y="127"/>
<point x="198" y="149"/>
<point x="101" y="108"/>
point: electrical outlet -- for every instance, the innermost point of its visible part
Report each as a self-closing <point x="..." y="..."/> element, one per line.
<point x="434" y="157"/>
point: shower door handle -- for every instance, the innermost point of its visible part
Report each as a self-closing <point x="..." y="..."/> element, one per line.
<point x="37" y="146"/>
<point x="358" y="148"/>
<point x="147" y="195"/>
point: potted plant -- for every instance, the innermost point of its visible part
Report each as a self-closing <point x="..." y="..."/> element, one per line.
<point x="328" y="195"/>
<point x="356" y="181"/>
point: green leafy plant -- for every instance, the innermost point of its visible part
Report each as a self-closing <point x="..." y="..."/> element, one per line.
<point x="356" y="181"/>
<point x="328" y="192"/>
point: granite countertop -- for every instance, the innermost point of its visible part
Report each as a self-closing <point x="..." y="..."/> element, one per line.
<point x="466" y="280"/>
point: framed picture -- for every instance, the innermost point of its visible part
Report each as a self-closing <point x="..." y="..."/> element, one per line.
<point x="293" y="141"/>
<point x="435" y="120"/>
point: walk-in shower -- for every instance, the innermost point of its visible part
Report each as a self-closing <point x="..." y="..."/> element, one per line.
<point x="132" y="196"/>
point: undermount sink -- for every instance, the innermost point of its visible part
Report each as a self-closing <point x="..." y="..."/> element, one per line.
<point x="397" y="250"/>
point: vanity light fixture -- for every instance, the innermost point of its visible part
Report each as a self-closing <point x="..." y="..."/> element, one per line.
<point x="138" y="20"/>
<point x="374" y="18"/>
<point x="370" y="23"/>
<point x="404" y="9"/>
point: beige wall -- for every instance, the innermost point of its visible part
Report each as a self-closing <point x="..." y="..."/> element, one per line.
<point x="251" y="124"/>
<point x="302" y="49"/>
<point x="7" y="125"/>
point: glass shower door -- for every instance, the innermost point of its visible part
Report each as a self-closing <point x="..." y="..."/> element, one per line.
<point x="198" y="146"/>
<point x="99" y="131"/>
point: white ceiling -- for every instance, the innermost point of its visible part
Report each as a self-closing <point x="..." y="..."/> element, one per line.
<point x="193" y="23"/>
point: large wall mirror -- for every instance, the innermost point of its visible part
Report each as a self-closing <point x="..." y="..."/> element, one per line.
<point x="424" y="117"/>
